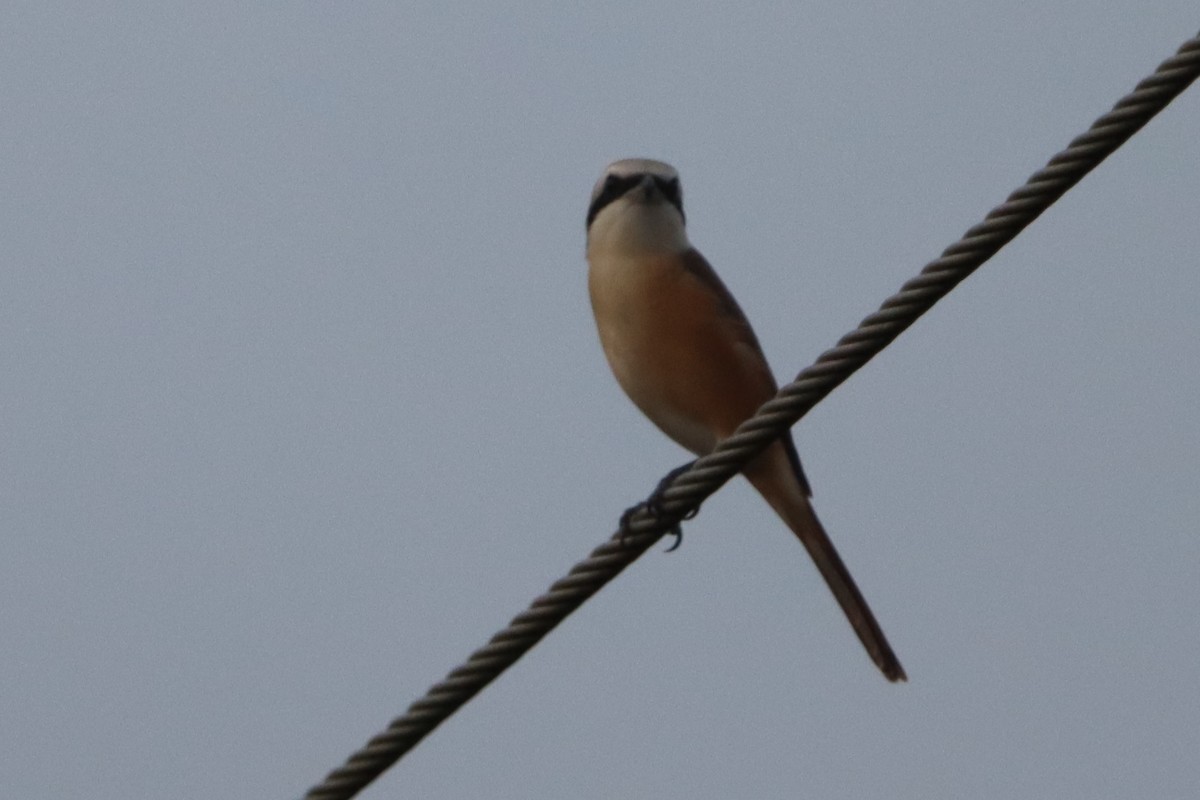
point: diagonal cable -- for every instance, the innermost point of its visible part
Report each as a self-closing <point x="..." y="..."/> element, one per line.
<point x="691" y="487"/>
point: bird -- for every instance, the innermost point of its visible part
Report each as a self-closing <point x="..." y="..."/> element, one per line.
<point x="683" y="351"/>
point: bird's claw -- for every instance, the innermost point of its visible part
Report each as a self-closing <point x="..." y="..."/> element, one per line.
<point x="652" y="505"/>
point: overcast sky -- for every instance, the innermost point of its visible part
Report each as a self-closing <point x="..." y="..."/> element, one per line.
<point x="301" y="400"/>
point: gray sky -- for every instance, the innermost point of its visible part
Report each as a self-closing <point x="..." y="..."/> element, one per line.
<point x="302" y="400"/>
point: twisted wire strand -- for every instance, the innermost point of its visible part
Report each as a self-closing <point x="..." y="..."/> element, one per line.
<point x="936" y="279"/>
<point x="685" y="493"/>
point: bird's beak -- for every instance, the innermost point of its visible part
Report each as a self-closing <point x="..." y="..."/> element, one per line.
<point x="648" y="187"/>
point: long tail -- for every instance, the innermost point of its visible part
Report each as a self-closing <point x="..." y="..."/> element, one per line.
<point x="774" y="478"/>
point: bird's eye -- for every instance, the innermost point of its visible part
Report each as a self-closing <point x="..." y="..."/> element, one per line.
<point x="614" y="186"/>
<point x="670" y="190"/>
<point x="669" y="187"/>
<point x="617" y="185"/>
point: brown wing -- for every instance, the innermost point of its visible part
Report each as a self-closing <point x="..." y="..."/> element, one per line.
<point x="698" y="266"/>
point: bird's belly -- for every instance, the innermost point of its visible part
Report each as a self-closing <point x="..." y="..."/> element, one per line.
<point x="655" y="334"/>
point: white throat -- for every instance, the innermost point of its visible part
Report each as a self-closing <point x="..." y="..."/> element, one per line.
<point x="628" y="226"/>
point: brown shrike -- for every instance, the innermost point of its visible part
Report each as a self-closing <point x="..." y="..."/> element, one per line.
<point x="683" y="351"/>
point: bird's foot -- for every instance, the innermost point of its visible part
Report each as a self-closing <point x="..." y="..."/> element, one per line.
<point x="653" y="505"/>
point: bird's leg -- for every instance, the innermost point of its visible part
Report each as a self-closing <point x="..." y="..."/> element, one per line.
<point x="653" y="505"/>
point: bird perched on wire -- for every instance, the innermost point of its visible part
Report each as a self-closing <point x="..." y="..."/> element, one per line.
<point x="684" y="352"/>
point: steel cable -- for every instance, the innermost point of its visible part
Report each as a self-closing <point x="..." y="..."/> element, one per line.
<point x="691" y="487"/>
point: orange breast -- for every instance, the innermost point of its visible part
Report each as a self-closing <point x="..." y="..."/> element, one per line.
<point x="676" y="351"/>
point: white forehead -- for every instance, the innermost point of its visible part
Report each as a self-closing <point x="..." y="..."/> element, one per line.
<point x="635" y="166"/>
